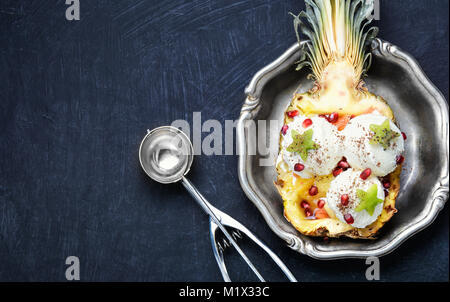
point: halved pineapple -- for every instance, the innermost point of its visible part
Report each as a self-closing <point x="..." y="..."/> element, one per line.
<point x="337" y="55"/>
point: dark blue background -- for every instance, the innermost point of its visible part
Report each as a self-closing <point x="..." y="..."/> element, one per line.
<point x="77" y="97"/>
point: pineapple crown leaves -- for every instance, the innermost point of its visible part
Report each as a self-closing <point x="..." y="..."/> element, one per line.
<point x="368" y="199"/>
<point x="335" y="29"/>
<point x="302" y="143"/>
<point x="383" y="135"/>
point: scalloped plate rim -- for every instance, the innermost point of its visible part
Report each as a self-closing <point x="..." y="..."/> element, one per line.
<point x="295" y="242"/>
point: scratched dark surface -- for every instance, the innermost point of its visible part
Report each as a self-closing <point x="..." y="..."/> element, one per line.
<point x="77" y="97"/>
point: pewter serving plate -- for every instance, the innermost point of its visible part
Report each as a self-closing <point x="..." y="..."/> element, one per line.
<point x="422" y="113"/>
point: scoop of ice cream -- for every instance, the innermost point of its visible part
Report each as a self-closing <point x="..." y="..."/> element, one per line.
<point x="311" y="146"/>
<point x="356" y="201"/>
<point x="372" y="141"/>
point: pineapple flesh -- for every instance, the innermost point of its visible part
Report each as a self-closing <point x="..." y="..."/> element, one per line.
<point x="336" y="53"/>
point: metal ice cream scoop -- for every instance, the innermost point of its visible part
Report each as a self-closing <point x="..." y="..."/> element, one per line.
<point x="166" y="155"/>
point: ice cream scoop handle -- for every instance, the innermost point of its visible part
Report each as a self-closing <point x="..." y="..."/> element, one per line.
<point x="206" y="206"/>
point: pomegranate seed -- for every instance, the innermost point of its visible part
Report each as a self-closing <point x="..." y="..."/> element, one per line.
<point x="386" y="184"/>
<point x="404" y="136"/>
<point x="344" y="199"/>
<point x="333" y="117"/>
<point x="307" y="123"/>
<point x="320" y="204"/>
<point x="349" y="218"/>
<point x="292" y="113"/>
<point x="313" y="190"/>
<point x="337" y="171"/>
<point x="284" y="129"/>
<point x="400" y="159"/>
<point x="308" y="212"/>
<point x="343" y="164"/>
<point x="304" y="204"/>
<point x="299" y="167"/>
<point x="326" y="239"/>
<point x="365" y="174"/>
